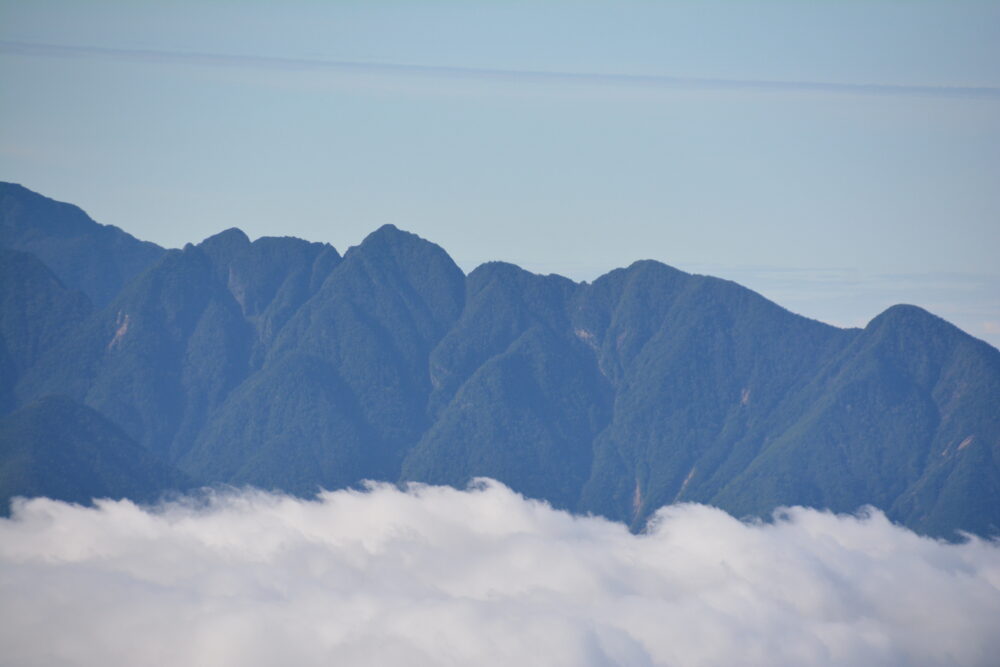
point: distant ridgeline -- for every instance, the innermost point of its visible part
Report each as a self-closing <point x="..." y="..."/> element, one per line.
<point x="130" y="370"/>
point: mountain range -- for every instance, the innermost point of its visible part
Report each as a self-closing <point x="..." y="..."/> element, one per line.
<point x="130" y="370"/>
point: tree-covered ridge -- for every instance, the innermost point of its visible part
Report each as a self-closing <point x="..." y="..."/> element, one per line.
<point x="96" y="259"/>
<point x="59" y="448"/>
<point x="282" y="364"/>
<point x="36" y="312"/>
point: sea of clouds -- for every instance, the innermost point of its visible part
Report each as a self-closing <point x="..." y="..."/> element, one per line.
<point x="438" y="576"/>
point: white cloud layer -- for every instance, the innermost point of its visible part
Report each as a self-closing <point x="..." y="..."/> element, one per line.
<point x="436" y="576"/>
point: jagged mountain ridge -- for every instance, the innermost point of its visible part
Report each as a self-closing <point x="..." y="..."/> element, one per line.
<point x="282" y="364"/>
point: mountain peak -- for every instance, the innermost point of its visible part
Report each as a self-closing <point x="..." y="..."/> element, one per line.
<point x="223" y="247"/>
<point x="497" y="268"/>
<point x="390" y="234"/>
<point x="390" y="243"/>
<point x="917" y="339"/>
<point x="907" y="316"/>
<point x="229" y="237"/>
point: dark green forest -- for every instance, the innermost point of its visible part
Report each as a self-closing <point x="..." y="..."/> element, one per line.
<point x="128" y="370"/>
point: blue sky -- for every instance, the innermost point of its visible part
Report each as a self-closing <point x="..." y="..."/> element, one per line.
<point x="836" y="156"/>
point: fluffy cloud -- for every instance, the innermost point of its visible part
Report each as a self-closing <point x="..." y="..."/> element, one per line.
<point x="437" y="576"/>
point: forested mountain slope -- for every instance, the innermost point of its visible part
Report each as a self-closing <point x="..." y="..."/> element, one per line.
<point x="281" y="363"/>
<point x="95" y="259"/>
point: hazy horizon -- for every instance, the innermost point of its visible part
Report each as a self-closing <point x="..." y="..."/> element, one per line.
<point x="838" y="157"/>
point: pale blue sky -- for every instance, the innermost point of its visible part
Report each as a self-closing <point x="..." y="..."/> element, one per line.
<point x="174" y="120"/>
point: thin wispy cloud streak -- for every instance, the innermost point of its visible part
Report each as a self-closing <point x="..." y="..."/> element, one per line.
<point x="498" y="75"/>
<point x="439" y="576"/>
